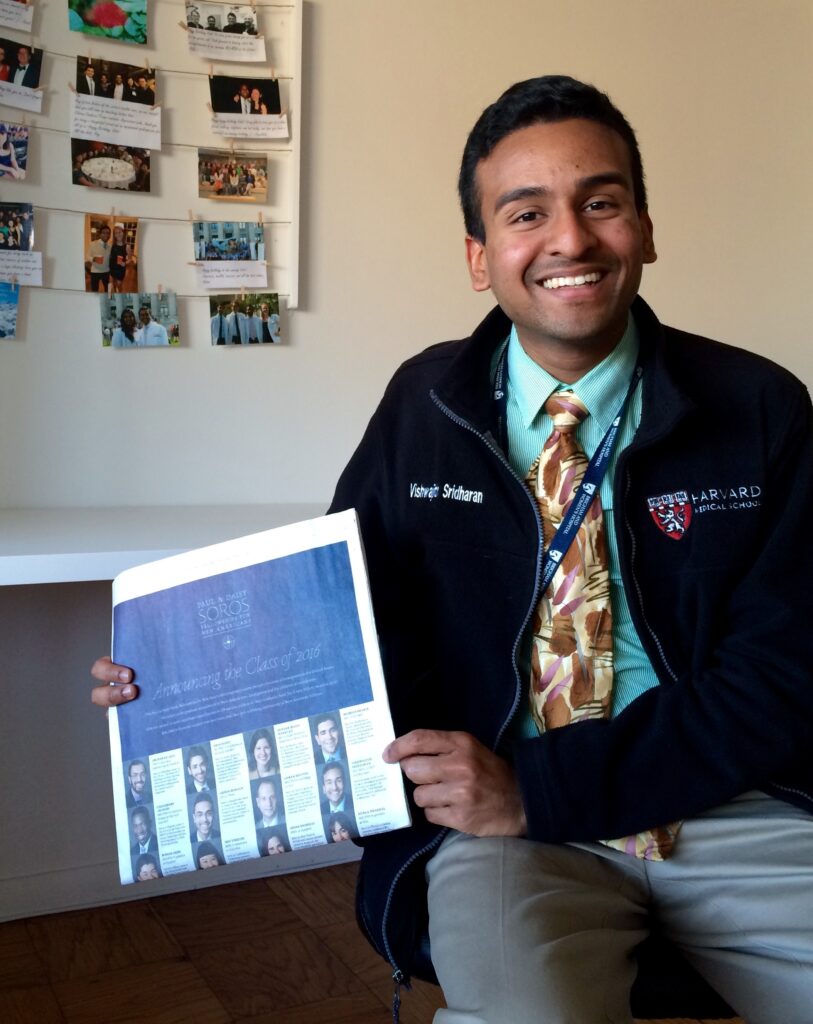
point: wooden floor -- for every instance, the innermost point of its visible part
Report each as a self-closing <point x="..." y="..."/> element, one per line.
<point x="284" y="950"/>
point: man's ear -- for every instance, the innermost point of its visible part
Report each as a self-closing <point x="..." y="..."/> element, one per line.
<point x="650" y="255"/>
<point x="478" y="264"/>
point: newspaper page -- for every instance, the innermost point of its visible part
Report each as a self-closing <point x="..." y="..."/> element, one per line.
<point x="262" y="711"/>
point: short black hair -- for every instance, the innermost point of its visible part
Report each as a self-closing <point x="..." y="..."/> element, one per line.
<point x="547" y="99"/>
<point x="197" y="752"/>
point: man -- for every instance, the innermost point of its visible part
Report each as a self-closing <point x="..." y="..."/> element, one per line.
<point x="192" y="17"/>
<point x="25" y="73"/>
<point x="138" y="792"/>
<point x="249" y="28"/>
<point x="253" y="326"/>
<point x="87" y="83"/>
<point x="242" y="100"/>
<point x="218" y="325"/>
<point x="197" y="768"/>
<point x="235" y="326"/>
<point x="268" y="804"/>
<point x="232" y="25"/>
<point x="211" y="23"/>
<point x="118" y="88"/>
<point x="203" y="816"/>
<point x="144" y="92"/>
<point x="333" y="787"/>
<point x="703" y="513"/>
<point x="327" y="739"/>
<point x="141" y="825"/>
<point x="105" y="87"/>
<point x="99" y="260"/>
<point x="150" y="332"/>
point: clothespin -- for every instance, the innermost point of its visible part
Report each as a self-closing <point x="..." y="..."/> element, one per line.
<point x="209" y="108"/>
<point x="242" y="293"/>
<point x="72" y="87"/>
<point x="273" y="74"/>
<point x="260" y="217"/>
<point x="191" y="217"/>
<point x="160" y="290"/>
<point x="148" y="69"/>
<point x="211" y="71"/>
<point x="184" y="26"/>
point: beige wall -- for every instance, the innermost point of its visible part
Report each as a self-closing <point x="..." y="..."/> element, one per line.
<point x="719" y="92"/>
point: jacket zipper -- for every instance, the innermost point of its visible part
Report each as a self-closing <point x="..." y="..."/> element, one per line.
<point x="398" y="975"/>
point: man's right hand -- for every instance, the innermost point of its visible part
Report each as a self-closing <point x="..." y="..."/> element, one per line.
<point x="123" y="688"/>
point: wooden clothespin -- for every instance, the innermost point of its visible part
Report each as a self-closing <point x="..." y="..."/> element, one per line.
<point x="184" y="26"/>
<point x="160" y="289"/>
<point x="260" y="217"/>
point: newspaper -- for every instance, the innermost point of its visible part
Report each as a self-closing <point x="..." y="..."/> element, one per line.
<point x="262" y="711"/>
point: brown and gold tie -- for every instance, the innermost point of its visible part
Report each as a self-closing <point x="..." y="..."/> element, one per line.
<point x="572" y="646"/>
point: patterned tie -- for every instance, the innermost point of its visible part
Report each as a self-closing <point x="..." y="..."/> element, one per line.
<point x="572" y="648"/>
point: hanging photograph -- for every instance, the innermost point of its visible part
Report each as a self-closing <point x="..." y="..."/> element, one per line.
<point x="228" y="240"/>
<point x="13" y="150"/>
<point x="235" y="175"/>
<point x="122" y="20"/>
<point x="20" y="66"/>
<point x="251" y="318"/>
<point x="111" y="253"/>
<point x="247" y="107"/>
<point x="9" y="299"/>
<point x="139" y="320"/>
<point x="108" y="79"/>
<point x="224" y="32"/>
<point x="16" y="227"/>
<point x="104" y="165"/>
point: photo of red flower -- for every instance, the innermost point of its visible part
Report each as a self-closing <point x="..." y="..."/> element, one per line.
<point x="124" y="20"/>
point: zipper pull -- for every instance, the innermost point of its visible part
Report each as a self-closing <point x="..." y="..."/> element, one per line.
<point x="400" y="979"/>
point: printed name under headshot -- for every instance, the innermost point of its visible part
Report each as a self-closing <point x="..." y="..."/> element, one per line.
<point x="230" y="18"/>
<point x="238" y="175"/>
<point x="16" y="227"/>
<point x="115" y="81"/>
<point x="139" y="320"/>
<point x="247" y="319"/>
<point x="13" y="150"/>
<point x="20" y="64"/>
<point x="228" y="240"/>
<point x="244" y="95"/>
<point x="111" y="253"/>
<point x="106" y="165"/>
<point x="125" y="21"/>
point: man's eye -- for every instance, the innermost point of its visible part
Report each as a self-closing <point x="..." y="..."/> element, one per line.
<point x="599" y="205"/>
<point x="527" y="217"/>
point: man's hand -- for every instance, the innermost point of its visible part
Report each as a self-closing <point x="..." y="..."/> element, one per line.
<point x="107" y="672"/>
<point x="460" y="783"/>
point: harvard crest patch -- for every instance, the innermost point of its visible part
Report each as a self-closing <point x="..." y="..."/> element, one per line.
<point x="672" y="513"/>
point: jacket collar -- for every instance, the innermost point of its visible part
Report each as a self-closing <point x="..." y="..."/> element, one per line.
<point x="465" y="387"/>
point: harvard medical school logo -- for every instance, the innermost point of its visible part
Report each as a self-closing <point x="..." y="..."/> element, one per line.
<point x="672" y="513"/>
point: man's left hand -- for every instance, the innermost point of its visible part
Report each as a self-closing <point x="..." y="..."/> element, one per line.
<point x="460" y="783"/>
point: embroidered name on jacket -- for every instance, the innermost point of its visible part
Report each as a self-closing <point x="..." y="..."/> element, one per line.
<point x="726" y="499"/>
<point x="450" y="492"/>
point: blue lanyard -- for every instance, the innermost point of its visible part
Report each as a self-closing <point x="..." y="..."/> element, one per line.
<point x="593" y="475"/>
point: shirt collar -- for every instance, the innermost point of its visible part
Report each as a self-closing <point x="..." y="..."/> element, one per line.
<point x="601" y="389"/>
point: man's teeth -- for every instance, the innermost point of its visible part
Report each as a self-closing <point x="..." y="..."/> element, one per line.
<point x="570" y="282"/>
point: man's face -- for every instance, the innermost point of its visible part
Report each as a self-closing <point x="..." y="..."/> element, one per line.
<point x="244" y="91"/>
<point x="267" y="800"/>
<point x="147" y="872"/>
<point x="202" y="815"/>
<point x="231" y="18"/>
<point x="198" y="768"/>
<point x="23" y="55"/>
<point x="142" y="82"/>
<point x="249" y="311"/>
<point x="144" y="316"/>
<point x="557" y="205"/>
<point x="333" y="784"/>
<point x="119" y="80"/>
<point x="141" y="827"/>
<point x="211" y="20"/>
<point x="327" y="736"/>
<point x="137" y="773"/>
<point x="90" y="72"/>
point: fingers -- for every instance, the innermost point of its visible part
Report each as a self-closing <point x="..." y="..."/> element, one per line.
<point x="108" y="672"/>
<point x="424" y="741"/>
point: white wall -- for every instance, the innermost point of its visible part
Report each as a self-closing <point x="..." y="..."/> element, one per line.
<point x="719" y="93"/>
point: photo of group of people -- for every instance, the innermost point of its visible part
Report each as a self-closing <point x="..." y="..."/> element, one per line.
<point x="232" y="174"/>
<point x="237" y="19"/>
<point x="244" y="95"/>
<point x="111" y="253"/>
<point x="249" y="319"/>
<point x="122" y="20"/>
<point x="105" y="165"/>
<point x="228" y="240"/>
<point x="16" y="227"/>
<point x="139" y="320"/>
<point x="13" y="150"/>
<point x="20" y="64"/>
<point x="114" y="81"/>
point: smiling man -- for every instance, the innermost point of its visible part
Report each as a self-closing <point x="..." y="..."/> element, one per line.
<point x="588" y="546"/>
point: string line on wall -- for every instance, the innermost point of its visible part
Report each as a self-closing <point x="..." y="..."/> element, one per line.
<point x="221" y="143"/>
<point x="71" y="57"/>
<point x="179" y="295"/>
<point x="158" y="220"/>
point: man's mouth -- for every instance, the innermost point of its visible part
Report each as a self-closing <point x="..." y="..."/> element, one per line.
<point x="571" y="282"/>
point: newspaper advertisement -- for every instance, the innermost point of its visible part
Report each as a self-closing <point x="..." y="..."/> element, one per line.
<point x="262" y="710"/>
